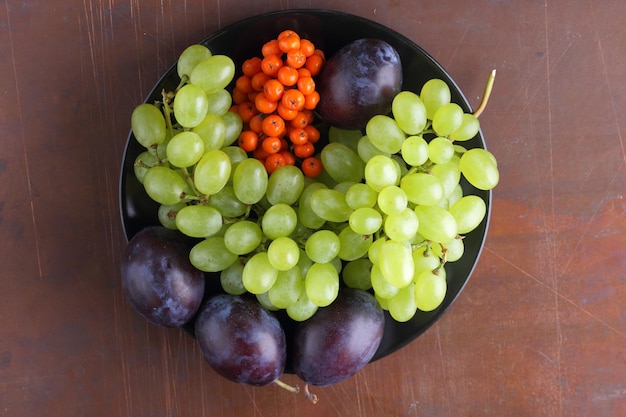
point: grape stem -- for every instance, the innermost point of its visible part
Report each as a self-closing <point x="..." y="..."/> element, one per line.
<point x="486" y="94"/>
<point x="309" y="395"/>
<point x="294" y="389"/>
<point x="167" y="110"/>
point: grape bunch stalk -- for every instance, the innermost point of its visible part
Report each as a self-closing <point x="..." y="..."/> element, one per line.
<point x="385" y="215"/>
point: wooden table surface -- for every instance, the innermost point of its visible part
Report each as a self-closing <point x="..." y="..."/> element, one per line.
<point x="540" y="329"/>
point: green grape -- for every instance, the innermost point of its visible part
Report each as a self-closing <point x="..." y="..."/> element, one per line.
<point x="440" y="150"/>
<point x="392" y="200"/>
<point x="449" y="175"/>
<point x="265" y="302"/>
<point x="185" y="149"/>
<point x="258" y="274"/>
<point x="236" y="155"/>
<point x="304" y="263"/>
<point x="436" y="224"/>
<point x="385" y="134"/>
<point x="478" y="166"/>
<point x="212" y="130"/>
<point x="303" y="309"/>
<point x="456" y="194"/>
<point x="144" y="161"/>
<point x="400" y="166"/>
<point x="454" y="250"/>
<point x="250" y="181"/>
<point x="330" y="205"/>
<point x="213" y="73"/>
<point x="278" y="221"/>
<point x="322" y="284"/>
<point x="366" y="150"/>
<point x="148" y="125"/>
<point x="343" y="136"/>
<point x="190" y="57"/>
<point x="231" y="279"/>
<point x="356" y="274"/>
<point x="430" y="290"/>
<point x="300" y="232"/>
<point x="380" y="285"/>
<point x="199" y="220"/>
<point x="285" y="185"/>
<point x="422" y="188"/>
<point x="337" y="262"/>
<point x="322" y="246"/>
<point x="344" y="186"/>
<point x="365" y="221"/>
<point x="306" y="215"/>
<point x="342" y="163"/>
<point x="286" y="289"/>
<point x="361" y="195"/>
<point x="211" y="255"/>
<point x="409" y="112"/>
<point x="212" y="172"/>
<point x="234" y="125"/>
<point x="402" y="226"/>
<point x="396" y="263"/>
<point x="243" y="237"/>
<point x="402" y="306"/>
<point x="415" y="151"/>
<point x="447" y="119"/>
<point x="468" y="212"/>
<point x="468" y="129"/>
<point x="383" y="302"/>
<point x="227" y="203"/>
<point x="167" y="214"/>
<point x="353" y="245"/>
<point x="164" y="185"/>
<point x="434" y="94"/>
<point x="220" y="102"/>
<point x="190" y="106"/>
<point x="373" y="252"/>
<point x="381" y="171"/>
<point x="425" y="259"/>
<point x="283" y="253"/>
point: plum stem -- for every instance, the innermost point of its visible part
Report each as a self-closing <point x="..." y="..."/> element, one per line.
<point x="486" y="94"/>
<point x="294" y="389"/>
<point x="309" y="395"/>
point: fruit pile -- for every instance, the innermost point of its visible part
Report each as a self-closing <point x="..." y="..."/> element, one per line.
<point x="368" y="226"/>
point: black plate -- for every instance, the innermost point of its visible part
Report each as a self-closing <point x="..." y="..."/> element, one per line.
<point x="329" y="30"/>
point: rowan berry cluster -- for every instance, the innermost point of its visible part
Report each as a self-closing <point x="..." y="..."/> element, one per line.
<point x="275" y="96"/>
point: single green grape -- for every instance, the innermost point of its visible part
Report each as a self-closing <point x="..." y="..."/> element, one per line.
<point x="190" y="106"/>
<point x="243" y="237"/>
<point x="342" y="163"/>
<point x="322" y="246"/>
<point x="213" y="73"/>
<point x="198" y="221"/>
<point x="190" y="57"/>
<point x="409" y="112"/>
<point x="258" y="274"/>
<point x="322" y="284"/>
<point x="212" y="172"/>
<point x="148" y="125"/>
<point x="212" y="131"/>
<point x="185" y="149"/>
<point x="385" y="134"/>
<point x="211" y="255"/>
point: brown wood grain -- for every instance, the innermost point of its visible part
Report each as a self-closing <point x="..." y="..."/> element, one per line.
<point x="540" y="330"/>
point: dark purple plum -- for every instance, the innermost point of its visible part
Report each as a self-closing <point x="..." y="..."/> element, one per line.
<point x="339" y="340"/>
<point x="241" y="340"/>
<point x="158" y="279"/>
<point x="359" y="81"/>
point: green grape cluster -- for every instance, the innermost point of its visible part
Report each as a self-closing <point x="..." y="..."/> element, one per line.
<point x="385" y="215"/>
